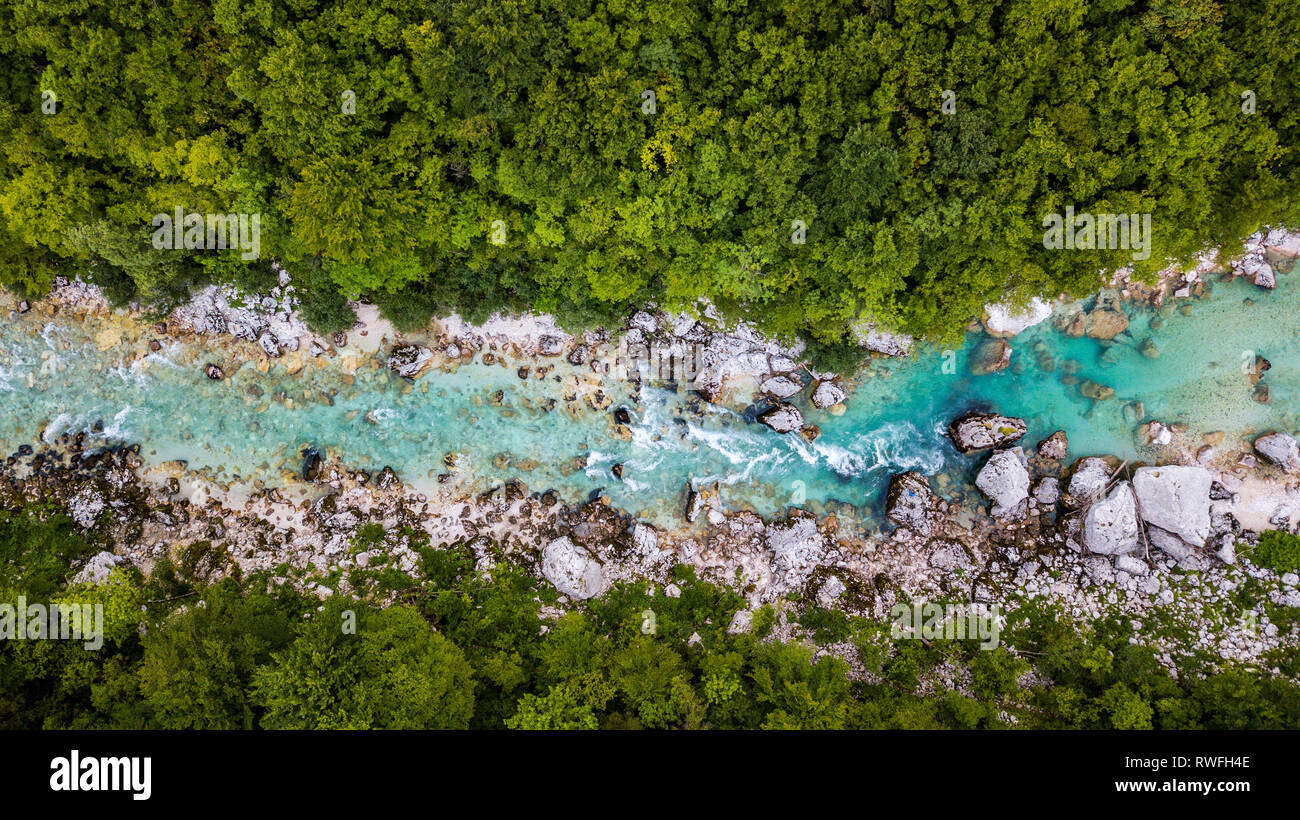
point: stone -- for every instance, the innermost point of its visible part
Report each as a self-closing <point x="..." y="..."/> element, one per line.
<point x="269" y="344"/>
<point x="797" y="549"/>
<point x="387" y="479"/>
<point x="1047" y="491"/>
<point x="985" y="431"/>
<point x="1005" y="321"/>
<point x="1168" y="543"/>
<point x="830" y="592"/>
<point x="311" y="465"/>
<point x="1089" y="479"/>
<point x="871" y="337"/>
<point x="1132" y="565"/>
<point x="644" y="322"/>
<point x="1004" y="478"/>
<point x="1259" y="271"/>
<point x="1105" y="323"/>
<point x="1280" y="449"/>
<point x="909" y="502"/>
<point x="1111" y="525"/>
<point x="550" y="346"/>
<point x="696" y="502"/>
<point x="784" y="418"/>
<point x="990" y="356"/>
<point x="572" y="570"/>
<point x="214" y="372"/>
<point x="1149" y="349"/>
<point x="782" y="387"/>
<point x="410" y="360"/>
<point x="1096" y="390"/>
<point x="1055" y="446"/>
<point x="1226" y="550"/>
<point x="1176" y="499"/>
<point x="827" y="394"/>
<point x="96" y="570"/>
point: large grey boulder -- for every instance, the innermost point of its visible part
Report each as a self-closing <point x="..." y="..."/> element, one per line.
<point x="1089" y="479"/>
<point x="1005" y="479"/>
<point x="572" y="569"/>
<point x="1176" y="499"/>
<point x="827" y="394"/>
<point x="984" y="431"/>
<point x="882" y="341"/>
<point x="784" y="418"/>
<point x="908" y="502"/>
<point x="783" y="387"/>
<point x="1111" y="525"/>
<point x="1280" y="449"/>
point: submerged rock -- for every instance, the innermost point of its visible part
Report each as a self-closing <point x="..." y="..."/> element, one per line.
<point x="1176" y="499"/>
<point x="1096" y="390"/>
<point x="990" y="356"/>
<point x="1005" y="479"/>
<point x="1105" y="323"/>
<point x="1280" y="449"/>
<point x="784" y="418"/>
<point x="908" y="502"/>
<point x="572" y="570"/>
<point x="214" y="372"/>
<point x="985" y="431"/>
<point x="1111" y="525"/>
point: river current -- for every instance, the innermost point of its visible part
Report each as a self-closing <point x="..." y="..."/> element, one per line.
<point x="59" y="375"/>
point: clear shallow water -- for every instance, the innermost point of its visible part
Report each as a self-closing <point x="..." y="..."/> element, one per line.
<point x="71" y="377"/>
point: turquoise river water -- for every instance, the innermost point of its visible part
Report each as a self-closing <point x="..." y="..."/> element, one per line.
<point x="58" y="376"/>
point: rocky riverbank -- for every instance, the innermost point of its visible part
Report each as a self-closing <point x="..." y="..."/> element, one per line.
<point x="1165" y="541"/>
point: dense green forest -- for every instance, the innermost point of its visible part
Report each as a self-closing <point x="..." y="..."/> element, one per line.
<point x="581" y="156"/>
<point x="446" y="646"/>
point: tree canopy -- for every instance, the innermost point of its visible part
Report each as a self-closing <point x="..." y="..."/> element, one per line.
<point x="586" y="156"/>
